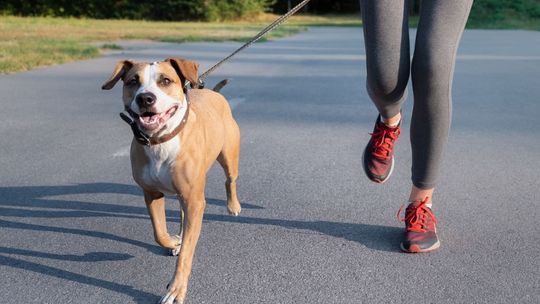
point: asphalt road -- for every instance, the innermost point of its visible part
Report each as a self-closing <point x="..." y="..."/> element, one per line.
<point x="74" y="229"/>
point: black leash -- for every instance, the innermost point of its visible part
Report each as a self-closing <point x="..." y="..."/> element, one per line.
<point x="261" y="34"/>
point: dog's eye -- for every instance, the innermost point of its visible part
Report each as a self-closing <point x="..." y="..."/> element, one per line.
<point x="166" y="81"/>
<point x="133" y="82"/>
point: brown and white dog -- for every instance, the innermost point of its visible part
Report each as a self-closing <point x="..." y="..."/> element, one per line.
<point x="185" y="140"/>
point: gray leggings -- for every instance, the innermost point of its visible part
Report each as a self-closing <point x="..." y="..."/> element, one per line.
<point x="386" y="36"/>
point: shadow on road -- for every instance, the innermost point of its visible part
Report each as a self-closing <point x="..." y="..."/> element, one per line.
<point x="12" y="198"/>
<point x="87" y="257"/>
<point x="82" y="232"/>
<point x="383" y="238"/>
<point x="43" y="197"/>
<point x="138" y="295"/>
<point x="15" y="201"/>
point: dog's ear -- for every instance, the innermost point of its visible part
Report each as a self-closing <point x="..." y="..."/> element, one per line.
<point x="122" y="67"/>
<point x="186" y="70"/>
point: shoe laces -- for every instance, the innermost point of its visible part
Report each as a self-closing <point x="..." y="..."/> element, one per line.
<point x="417" y="216"/>
<point x="383" y="140"/>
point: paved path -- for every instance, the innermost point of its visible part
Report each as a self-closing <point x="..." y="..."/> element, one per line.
<point x="74" y="229"/>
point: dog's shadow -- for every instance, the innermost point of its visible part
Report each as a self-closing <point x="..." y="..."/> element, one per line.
<point x="16" y="202"/>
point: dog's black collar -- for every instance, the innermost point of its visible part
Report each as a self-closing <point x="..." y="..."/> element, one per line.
<point x="139" y="135"/>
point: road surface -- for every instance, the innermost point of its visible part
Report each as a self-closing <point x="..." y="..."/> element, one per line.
<point x="74" y="228"/>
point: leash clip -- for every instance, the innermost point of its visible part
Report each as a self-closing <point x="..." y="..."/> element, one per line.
<point x="201" y="83"/>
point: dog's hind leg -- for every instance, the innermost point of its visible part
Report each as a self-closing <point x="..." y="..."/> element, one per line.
<point x="228" y="159"/>
<point x="155" y="203"/>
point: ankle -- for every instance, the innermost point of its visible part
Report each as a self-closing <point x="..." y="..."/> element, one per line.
<point x="392" y="122"/>
<point x="421" y="195"/>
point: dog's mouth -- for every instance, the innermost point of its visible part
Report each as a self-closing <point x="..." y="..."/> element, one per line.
<point x="153" y="121"/>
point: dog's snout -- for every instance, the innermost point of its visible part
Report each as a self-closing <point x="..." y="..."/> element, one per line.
<point x="146" y="99"/>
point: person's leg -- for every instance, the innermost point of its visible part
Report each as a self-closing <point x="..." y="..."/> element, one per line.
<point x="386" y="37"/>
<point x="440" y="28"/>
<point x="439" y="31"/>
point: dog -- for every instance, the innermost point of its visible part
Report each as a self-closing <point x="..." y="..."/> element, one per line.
<point x="179" y="133"/>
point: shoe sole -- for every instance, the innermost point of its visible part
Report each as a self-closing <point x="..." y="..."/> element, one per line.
<point x="377" y="181"/>
<point x="417" y="249"/>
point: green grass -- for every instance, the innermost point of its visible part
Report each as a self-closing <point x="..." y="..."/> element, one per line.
<point x="110" y="46"/>
<point x="30" y="42"/>
<point x="28" y="53"/>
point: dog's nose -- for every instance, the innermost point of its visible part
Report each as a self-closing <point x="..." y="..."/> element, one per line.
<point x="146" y="99"/>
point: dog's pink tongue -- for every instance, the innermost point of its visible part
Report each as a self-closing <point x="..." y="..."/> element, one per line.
<point x="149" y="119"/>
<point x="150" y="122"/>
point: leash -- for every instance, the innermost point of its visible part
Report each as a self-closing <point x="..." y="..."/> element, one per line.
<point x="145" y="140"/>
<point x="257" y="37"/>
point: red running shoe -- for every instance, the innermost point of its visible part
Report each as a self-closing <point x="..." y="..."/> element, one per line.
<point x="378" y="158"/>
<point x="420" y="226"/>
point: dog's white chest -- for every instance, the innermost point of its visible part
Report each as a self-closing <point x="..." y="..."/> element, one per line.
<point x="158" y="171"/>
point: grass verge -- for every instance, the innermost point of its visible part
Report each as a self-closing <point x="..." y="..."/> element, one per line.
<point x="29" y="42"/>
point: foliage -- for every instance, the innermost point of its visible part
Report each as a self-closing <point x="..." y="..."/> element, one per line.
<point x="496" y="11"/>
<point x="169" y="10"/>
<point x="483" y="12"/>
<point x="321" y="6"/>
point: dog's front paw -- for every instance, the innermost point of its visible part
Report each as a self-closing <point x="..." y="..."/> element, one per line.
<point x="175" y="294"/>
<point x="169" y="300"/>
<point x="176" y="251"/>
<point x="234" y="208"/>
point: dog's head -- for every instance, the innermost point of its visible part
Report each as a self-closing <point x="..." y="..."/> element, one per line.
<point x="154" y="91"/>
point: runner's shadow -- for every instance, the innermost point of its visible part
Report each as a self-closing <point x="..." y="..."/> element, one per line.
<point x="377" y="237"/>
